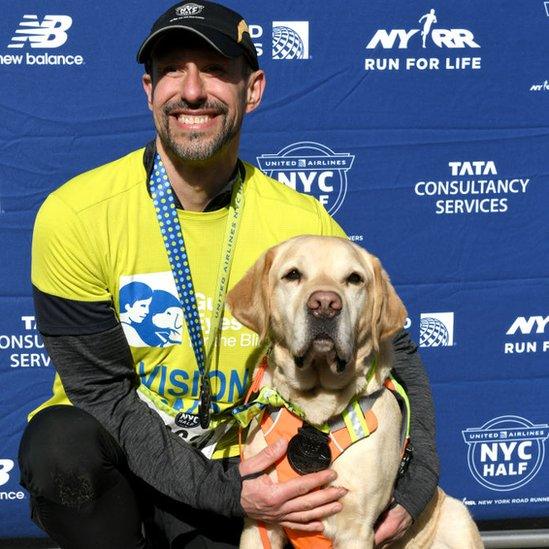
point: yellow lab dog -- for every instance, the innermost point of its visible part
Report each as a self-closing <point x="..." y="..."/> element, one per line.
<point x="328" y="310"/>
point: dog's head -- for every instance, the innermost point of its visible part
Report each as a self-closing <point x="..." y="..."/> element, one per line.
<point x="326" y="305"/>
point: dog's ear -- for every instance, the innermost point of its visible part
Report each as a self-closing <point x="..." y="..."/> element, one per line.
<point x="389" y="313"/>
<point x="249" y="299"/>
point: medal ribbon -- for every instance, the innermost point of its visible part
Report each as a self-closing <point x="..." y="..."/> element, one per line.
<point x="172" y="234"/>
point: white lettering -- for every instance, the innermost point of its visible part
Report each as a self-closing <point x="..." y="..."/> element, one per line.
<point x="387" y="40"/>
<point x="526" y="325"/>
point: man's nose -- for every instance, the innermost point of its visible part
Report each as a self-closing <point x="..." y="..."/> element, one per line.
<point x="324" y="304"/>
<point x="193" y="90"/>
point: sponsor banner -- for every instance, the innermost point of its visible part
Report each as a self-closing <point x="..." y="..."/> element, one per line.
<point x="527" y="335"/>
<point x="472" y="187"/>
<point x="289" y="40"/>
<point x="34" y="39"/>
<point x="427" y="44"/>
<point x="540" y="87"/>
<point x="311" y="168"/>
<point x="8" y="477"/>
<point x="21" y="345"/>
<point x="506" y="453"/>
<point x="493" y="452"/>
<point x="436" y="330"/>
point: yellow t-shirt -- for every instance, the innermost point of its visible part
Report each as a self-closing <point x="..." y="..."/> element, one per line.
<point x="97" y="240"/>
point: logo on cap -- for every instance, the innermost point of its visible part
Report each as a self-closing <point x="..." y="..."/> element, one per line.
<point x="189" y="9"/>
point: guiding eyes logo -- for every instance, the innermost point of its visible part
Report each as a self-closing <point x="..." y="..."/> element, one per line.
<point x="50" y="33"/>
<point x="150" y="311"/>
<point x="506" y="452"/>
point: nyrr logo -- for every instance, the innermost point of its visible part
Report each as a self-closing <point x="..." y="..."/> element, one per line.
<point x="505" y="453"/>
<point x="290" y="40"/>
<point x="427" y="36"/>
<point x="436" y="330"/>
<point x="536" y="324"/>
<point x="442" y="38"/>
<point x="311" y="168"/>
<point x="50" y="33"/>
<point x="527" y="326"/>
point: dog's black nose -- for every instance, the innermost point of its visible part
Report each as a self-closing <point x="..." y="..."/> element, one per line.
<point x="324" y="304"/>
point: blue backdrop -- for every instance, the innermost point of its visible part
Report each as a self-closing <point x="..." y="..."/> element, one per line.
<point x="423" y="127"/>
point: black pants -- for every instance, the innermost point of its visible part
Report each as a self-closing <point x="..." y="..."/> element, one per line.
<point x="84" y="496"/>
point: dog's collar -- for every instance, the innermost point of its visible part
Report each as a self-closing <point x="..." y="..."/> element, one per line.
<point x="352" y="417"/>
<point x="357" y="417"/>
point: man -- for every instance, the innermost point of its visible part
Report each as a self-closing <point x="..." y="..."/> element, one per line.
<point x="184" y="216"/>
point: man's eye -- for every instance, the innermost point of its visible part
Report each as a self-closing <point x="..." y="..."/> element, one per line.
<point x="215" y="69"/>
<point x="168" y="69"/>
<point x="293" y="274"/>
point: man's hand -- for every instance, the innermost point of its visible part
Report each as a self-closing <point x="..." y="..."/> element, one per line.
<point x="391" y="525"/>
<point x="289" y="504"/>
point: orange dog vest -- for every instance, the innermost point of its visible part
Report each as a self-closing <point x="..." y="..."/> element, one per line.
<point x="356" y="422"/>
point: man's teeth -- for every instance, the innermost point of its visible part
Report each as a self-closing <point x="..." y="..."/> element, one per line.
<point x="187" y="119"/>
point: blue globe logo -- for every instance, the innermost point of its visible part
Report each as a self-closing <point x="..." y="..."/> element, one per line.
<point x="287" y="44"/>
<point x="432" y="333"/>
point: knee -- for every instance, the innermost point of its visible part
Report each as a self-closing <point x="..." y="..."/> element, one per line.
<point x="65" y="455"/>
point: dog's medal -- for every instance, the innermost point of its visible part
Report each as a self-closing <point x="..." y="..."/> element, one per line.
<point x="309" y="451"/>
<point x="205" y="402"/>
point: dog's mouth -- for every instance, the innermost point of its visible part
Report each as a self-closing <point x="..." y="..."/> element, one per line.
<point x="322" y="346"/>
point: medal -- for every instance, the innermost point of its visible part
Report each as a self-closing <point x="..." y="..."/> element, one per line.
<point x="205" y="401"/>
<point x="172" y="235"/>
<point x="308" y="451"/>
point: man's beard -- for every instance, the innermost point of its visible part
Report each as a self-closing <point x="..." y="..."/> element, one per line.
<point x="196" y="146"/>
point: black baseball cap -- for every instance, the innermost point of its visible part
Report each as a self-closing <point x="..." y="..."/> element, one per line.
<point x="224" y="29"/>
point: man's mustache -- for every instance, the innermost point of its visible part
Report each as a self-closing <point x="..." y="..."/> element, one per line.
<point x="217" y="106"/>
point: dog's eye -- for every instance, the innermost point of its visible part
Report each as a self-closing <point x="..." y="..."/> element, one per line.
<point x="354" y="278"/>
<point x="293" y="274"/>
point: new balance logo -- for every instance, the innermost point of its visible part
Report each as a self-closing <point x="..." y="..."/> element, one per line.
<point x="6" y="465"/>
<point x="50" y="33"/>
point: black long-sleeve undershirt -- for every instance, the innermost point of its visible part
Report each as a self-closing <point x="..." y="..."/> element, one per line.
<point x="98" y="376"/>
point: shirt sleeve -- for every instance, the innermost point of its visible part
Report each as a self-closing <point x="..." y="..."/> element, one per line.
<point x="417" y="486"/>
<point x="70" y="291"/>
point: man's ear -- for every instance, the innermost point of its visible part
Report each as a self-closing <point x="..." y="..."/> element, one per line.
<point x="389" y="313"/>
<point x="249" y="300"/>
<point x="254" y="90"/>
<point x="146" y="80"/>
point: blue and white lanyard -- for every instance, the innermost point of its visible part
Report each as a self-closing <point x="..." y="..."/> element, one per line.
<point x="172" y="234"/>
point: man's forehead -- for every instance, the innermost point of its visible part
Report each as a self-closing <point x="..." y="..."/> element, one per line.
<point x="184" y="45"/>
